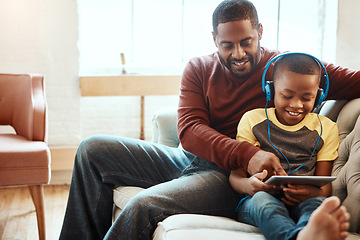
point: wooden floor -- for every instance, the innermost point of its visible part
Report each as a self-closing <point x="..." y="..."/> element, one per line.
<point x="17" y="212"/>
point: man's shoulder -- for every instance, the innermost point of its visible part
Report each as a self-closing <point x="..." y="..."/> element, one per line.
<point x="204" y="66"/>
<point x="205" y="60"/>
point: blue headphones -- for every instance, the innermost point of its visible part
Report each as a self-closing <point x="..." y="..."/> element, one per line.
<point x="268" y="87"/>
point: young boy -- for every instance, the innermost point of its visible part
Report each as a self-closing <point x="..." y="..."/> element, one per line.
<point x="291" y="132"/>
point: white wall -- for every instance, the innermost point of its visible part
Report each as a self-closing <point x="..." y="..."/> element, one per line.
<point x="41" y="36"/>
<point x="348" y="35"/>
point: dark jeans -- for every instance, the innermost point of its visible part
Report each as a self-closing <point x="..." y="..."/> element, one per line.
<point x="176" y="181"/>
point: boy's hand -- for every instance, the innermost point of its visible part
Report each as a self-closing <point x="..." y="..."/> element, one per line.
<point x="256" y="184"/>
<point x="294" y="194"/>
<point x="265" y="160"/>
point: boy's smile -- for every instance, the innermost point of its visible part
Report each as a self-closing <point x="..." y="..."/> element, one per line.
<point x="294" y="96"/>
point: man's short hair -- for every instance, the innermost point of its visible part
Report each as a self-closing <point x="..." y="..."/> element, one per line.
<point x="297" y="63"/>
<point x="234" y="10"/>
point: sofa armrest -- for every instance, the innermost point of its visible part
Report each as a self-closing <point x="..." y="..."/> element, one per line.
<point x="164" y="129"/>
<point x="332" y="108"/>
<point x="347" y="166"/>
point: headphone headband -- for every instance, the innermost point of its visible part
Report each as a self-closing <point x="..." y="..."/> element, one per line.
<point x="324" y="92"/>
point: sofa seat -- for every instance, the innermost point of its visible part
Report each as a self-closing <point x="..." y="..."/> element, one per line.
<point x="195" y="226"/>
<point x="190" y="226"/>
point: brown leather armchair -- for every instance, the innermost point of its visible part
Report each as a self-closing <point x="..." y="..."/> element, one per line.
<point x="24" y="155"/>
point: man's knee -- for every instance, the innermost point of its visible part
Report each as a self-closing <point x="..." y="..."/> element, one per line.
<point x="92" y="142"/>
<point x="147" y="205"/>
<point x="89" y="148"/>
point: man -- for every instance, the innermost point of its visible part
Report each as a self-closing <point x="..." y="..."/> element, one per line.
<point x="216" y="90"/>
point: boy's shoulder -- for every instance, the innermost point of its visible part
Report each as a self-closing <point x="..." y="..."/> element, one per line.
<point x="254" y="116"/>
<point x="327" y="124"/>
<point x="256" y="111"/>
<point x="323" y="119"/>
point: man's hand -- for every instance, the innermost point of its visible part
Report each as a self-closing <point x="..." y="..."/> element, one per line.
<point x="265" y="160"/>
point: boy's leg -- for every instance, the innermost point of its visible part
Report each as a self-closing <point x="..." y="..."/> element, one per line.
<point x="267" y="213"/>
<point x="105" y="162"/>
<point x="301" y="213"/>
<point x="328" y="222"/>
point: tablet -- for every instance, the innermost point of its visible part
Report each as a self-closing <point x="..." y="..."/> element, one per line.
<point x="318" y="181"/>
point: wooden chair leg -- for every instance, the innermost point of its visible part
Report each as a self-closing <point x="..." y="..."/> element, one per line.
<point x="37" y="194"/>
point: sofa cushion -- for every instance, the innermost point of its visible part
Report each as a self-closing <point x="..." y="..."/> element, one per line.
<point x="164" y="129"/>
<point x="196" y="226"/>
<point x="347" y="166"/>
<point x="121" y="196"/>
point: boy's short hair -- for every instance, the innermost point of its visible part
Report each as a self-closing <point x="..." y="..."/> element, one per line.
<point x="234" y="10"/>
<point x="297" y="63"/>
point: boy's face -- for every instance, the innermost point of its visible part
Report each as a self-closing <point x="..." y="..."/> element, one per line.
<point x="294" y="96"/>
<point x="238" y="44"/>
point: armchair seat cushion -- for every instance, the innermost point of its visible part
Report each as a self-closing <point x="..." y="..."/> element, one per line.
<point x="23" y="162"/>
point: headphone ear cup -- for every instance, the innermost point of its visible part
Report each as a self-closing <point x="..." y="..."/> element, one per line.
<point x="319" y="97"/>
<point x="269" y="90"/>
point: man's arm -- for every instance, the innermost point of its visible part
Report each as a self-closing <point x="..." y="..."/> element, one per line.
<point x="265" y="160"/>
<point x="194" y="127"/>
<point x="344" y="82"/>
<point x="197" y="135"/>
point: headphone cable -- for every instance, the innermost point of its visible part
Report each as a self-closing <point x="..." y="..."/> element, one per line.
<point x="287" y="160"/>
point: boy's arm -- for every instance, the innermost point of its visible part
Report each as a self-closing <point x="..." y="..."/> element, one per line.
<point x="295" y="194"/>
<point x="238" y="180"/>
<point x="323" y="168"/>
<point x="241" y="183"/>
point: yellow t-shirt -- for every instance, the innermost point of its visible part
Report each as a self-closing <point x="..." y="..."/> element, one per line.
<point x="296" y="142"/>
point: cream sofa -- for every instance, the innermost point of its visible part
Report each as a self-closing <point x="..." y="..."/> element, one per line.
<point x="195" y="226"/>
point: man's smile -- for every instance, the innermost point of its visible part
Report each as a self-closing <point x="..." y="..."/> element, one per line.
<point x="240" y="63"/>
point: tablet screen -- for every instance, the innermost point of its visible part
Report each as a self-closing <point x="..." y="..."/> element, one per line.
<point x="318" y="181"/>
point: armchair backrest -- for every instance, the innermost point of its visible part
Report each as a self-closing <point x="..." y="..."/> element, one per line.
<point x="23" y="105"/>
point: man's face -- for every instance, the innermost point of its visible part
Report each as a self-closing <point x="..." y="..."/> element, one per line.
<point x="294" y="96"/>
<point x="239" y="46"/>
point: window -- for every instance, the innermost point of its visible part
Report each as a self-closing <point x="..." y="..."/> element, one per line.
<point x="160" y="36"/>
